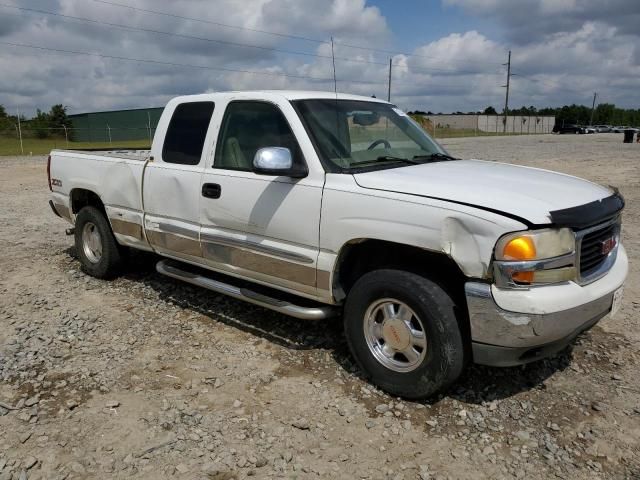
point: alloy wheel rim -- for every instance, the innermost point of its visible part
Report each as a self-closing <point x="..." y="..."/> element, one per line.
<point x="91" y="242"/>
<point x="395" y="335"/>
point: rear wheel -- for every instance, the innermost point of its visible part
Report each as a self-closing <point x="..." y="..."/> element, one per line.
<point x="403" y="332"/>
<point x="99" y="253"/>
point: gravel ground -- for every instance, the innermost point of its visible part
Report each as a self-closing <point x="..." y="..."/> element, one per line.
<point x="146" y="377"/>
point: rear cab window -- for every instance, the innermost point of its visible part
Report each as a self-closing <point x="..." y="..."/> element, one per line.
<point x="184" y="140"/>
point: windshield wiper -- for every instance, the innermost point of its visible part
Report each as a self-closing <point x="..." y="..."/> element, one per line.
<point x="434" y="157"/>
<point x="388" y="158"/>
<point x="410" y="161"/>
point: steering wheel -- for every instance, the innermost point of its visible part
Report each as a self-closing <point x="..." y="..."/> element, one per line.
<point x="382" y="141"/>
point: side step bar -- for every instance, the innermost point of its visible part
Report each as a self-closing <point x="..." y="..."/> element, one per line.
<point x="171" y="269"/>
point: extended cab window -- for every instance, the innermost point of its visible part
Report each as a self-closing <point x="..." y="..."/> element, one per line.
<point x="249" y="126"/>
<point x="187" y="130"/>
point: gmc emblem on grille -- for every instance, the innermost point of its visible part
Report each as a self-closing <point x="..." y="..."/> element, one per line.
<point x="607" y="245"/>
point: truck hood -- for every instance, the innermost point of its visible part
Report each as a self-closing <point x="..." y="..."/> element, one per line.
<point x="524" y="192"/>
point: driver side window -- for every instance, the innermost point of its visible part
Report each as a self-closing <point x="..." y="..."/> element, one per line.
<point x="247" y="127"/>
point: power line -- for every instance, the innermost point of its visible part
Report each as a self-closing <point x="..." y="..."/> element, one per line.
<point x="161" y="62"/>
<point x="202" y="20"/>
<point x="415" y="55"/>
<point x="160" y="32"/>
<point x="549" y="84"/>
<point x="186" y="65"/>
<point x="282" y="35"/>
<point x="227" y="42"/>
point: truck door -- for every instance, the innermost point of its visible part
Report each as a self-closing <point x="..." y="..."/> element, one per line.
<point x="259" y="227"/>
<point x="171" y="184"/>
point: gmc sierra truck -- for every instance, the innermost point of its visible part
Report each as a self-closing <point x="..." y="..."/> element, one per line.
<point x="320" y="204"/>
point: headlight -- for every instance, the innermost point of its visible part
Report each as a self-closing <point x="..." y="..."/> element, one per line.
<point x="536" y="244"/>
<point x="535" y="257"/>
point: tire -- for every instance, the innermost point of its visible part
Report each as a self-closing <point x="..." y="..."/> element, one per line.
<point x="437" y="365"/>
<point x="104" y="262"/>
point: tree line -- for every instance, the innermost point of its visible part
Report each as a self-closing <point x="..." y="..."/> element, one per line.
<point x="604" y="114"/>
<point x="53" y="122"/>
<point x="43" y="124"/>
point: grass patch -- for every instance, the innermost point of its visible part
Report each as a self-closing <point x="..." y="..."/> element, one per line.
<point x="37" y="146"/>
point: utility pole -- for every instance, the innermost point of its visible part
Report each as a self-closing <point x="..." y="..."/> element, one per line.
<point x="389" y="89"/>
<point x="593" y="106"/>
<point x="19" y="130"/>
<point x="506" y="100"/>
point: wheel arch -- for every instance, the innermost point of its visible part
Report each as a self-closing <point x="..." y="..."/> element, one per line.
<point x="83" y="197"/>
<point x="360" y="256"/>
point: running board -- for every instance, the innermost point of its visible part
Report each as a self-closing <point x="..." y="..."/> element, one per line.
<point x="173" y="270"/>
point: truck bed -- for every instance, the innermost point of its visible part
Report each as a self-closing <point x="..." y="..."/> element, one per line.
<point x="114" y="175"/>
<point x="140" y="155"/>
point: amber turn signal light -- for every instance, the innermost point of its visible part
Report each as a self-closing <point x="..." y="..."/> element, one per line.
<point x="520" y="248"/>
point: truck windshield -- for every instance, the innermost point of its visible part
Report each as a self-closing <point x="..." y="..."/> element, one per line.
<point x="353" y="135"/>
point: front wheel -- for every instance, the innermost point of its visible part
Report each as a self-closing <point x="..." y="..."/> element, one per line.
<point x="403" y="332"/>
<point x="97" y="249"/>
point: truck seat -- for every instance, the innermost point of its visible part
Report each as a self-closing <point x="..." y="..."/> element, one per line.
<point x="232" y="156"/>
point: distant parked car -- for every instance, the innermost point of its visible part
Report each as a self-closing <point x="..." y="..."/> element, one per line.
<point x="603" y="128"/>
<point x="568" y="129"/>
<point x="618" y="129"/>
<point x="589" y="129"/>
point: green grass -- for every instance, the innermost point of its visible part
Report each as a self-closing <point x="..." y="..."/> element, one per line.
<point x="37" y="146"/>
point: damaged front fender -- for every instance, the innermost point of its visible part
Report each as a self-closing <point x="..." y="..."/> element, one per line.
<point x="470" y="241"/>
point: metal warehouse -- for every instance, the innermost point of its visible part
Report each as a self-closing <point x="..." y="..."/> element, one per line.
<point x="116" y="125"/>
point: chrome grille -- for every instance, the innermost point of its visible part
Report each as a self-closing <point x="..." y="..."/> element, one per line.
<point x="594" y="260"/>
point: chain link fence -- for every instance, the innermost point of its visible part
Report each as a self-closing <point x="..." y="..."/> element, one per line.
<point x="444" y="126"/>
<point x="25" y="139"/>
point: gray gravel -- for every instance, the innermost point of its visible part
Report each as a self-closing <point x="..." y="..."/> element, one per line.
<point x="144" y="377"/>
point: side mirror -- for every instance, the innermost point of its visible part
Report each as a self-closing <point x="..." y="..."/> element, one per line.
<point x="277" y="161"/>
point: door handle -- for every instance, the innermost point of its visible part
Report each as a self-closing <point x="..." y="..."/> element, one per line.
<point x="211" y="190"/>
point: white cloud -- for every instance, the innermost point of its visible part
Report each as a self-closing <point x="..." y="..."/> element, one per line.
<point x="527" y="21"/>
<point x="460" y="71"/>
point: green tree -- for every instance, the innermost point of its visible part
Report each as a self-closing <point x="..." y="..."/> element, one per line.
<point x="58" y="117"/>
<point x="604" y="113"/>
<point x="490" y="111"/>
<point x="5" y="120"/>
<point x="41" y="124"/>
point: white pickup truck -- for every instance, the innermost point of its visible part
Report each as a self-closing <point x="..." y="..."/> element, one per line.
<point x="316" y="205"/>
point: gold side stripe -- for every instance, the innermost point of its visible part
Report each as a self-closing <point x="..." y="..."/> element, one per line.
<point x="323" y="280"/>
<point x="124" y="227"/>
<point x="235" y="257"/>
<point x="256" y="247"/>
<point x="185" y="232"/>
<point x="175" y="243"/>
<point x="247" y="260"/>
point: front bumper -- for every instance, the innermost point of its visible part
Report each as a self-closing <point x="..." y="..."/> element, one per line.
<point x="512" y="328"/>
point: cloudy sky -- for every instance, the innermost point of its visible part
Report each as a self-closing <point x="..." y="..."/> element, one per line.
<point x="447" y="55"/>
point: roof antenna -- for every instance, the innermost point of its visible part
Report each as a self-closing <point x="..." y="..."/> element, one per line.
<point x="335" y="90"/>
<point x="333" y="60"/>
